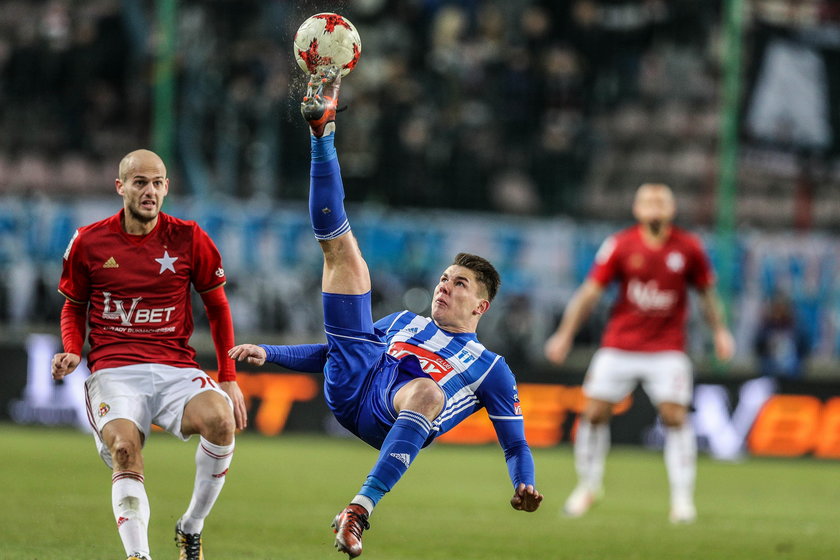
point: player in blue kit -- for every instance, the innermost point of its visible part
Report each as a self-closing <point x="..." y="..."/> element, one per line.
<point x="402" y="381"/>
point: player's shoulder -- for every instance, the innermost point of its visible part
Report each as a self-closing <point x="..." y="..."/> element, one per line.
<point x="491" y="358"/>
<point x="92" y="233"/>
<point x="622" y="238"/>
<point x="499" y="371"/>
<point x="614" y="243"/>
<point x="395" y="320"/>
<point x="685" y="237"/>
<point x="100" y="225"/>
<point x="184" y="230"/>
<point x="630" y="234"/>
<point x="170" y="221"/>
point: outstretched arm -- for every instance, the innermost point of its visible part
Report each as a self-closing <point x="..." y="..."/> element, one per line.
<point x="557" y="347"/>
<point x="307" y="358"/>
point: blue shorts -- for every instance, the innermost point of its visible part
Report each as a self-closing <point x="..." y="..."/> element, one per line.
<point x="360" y="377"/>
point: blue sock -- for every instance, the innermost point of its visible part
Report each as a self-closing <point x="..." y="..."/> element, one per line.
<point x="326" y="191"/>
<point x="399" y="449"/>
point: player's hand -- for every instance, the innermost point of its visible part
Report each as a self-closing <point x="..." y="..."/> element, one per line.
<point x="64" y="364"/>
<point x="249" y="353"/>
<point x="526" y="498"/>
<point x="724" y="345"/>
<point x="557" y="348"/>
<point x="240" y="413"/>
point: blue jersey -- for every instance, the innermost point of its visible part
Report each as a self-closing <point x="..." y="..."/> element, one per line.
<point x="471" y="376"/>
<point x="363" y="370"/>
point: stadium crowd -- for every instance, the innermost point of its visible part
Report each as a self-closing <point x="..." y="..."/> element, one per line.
<point x="484" y="105"/>
<point x="523" y="108"/>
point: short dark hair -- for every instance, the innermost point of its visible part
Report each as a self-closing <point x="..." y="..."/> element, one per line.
<point x="485" y="272"/>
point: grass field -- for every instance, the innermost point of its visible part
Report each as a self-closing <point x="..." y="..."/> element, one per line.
<point x="282" y="493"/>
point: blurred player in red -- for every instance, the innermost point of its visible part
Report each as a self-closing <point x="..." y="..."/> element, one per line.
<point x="655" y="262"/>
<point x="127" y="278"/>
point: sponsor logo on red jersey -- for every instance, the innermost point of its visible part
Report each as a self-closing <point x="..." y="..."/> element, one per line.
<point x="648" y="297"/>
<point x="114" y="309"/>
<point x="431" y="363"/>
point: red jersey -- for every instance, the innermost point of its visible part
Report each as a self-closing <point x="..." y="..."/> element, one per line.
<point x="650" y="311"/>
<point x="138" y="289"/>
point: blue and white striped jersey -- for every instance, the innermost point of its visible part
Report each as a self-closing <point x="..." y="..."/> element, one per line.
<point x="471" y="376"/>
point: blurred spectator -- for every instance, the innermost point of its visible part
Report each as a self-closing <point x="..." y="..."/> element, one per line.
<point x="781" y="346"/>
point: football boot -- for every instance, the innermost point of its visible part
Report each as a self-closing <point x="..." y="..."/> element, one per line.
<point x="321" y="101"/>
<point x="348" y="527"/>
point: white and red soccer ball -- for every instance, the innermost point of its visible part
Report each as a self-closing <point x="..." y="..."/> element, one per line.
<point x="327" y="39"/>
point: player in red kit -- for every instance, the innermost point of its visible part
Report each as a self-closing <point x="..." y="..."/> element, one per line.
<point x="655" y="262"/>
<point x="127" y="282"/>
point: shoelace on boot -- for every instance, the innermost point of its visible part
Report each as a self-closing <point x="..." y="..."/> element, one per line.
<point x="191" y="544"/>
<point x="358" y="522"/>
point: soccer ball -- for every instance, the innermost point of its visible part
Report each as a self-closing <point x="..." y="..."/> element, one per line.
<point x="327" y="39"/>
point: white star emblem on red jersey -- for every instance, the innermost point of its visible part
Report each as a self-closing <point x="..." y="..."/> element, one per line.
<point x="166" y="262"/>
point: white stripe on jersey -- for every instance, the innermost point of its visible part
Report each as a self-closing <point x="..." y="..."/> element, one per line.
<point x="494" y="417"/>
<point x="438" y="342"/>
<point x="454" y="408"/>
<point x="415" y="326"/>
<point x="397" y="318"/>
<point x="464" y="398"/>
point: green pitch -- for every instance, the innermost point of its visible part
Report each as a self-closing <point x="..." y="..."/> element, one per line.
<point x="282" y="493"/>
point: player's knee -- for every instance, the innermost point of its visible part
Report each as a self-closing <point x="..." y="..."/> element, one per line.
<point x="424" y="396"/>
<point x="598" y="413"/>
<point x="673" y="416"/>
<point x="219" y="428"/>
<point x="598" y="418"/>
<point x="125" y="454"/>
